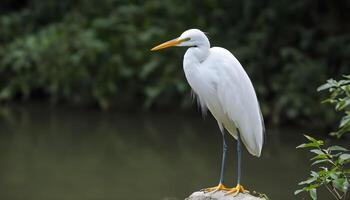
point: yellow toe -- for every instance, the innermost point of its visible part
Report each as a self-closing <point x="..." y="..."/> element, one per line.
<point x="216" y="188"/>
<point x="238" y="189"/>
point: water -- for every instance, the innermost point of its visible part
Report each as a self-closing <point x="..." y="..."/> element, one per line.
<point x="75" y="154"/>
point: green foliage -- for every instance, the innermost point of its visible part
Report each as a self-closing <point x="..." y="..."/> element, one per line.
<point x="100" y="54"/>
<point x="340" y="98"/>
<point x="333" y="162"/>
<point x="43" y="62"/>
<point x="93" y="51"/>
<point x="332" y="172"/>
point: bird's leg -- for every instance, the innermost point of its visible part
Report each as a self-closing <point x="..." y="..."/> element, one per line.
<point x="221" y="185"/>
<point x="223" y="160"/>
<point x="239" y="158"/>
<point x="239" y="188"/>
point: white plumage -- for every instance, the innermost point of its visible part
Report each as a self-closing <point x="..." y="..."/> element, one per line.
<point x="222" y="86"/>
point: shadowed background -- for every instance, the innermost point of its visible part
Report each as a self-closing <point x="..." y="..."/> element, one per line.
<point x="97" y="52"/>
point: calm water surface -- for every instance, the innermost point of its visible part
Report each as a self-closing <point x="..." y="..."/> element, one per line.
<point x="59" y="153"/>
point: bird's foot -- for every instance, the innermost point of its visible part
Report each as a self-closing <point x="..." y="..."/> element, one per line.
<point x="216" y="188"/>
<point x="238" y="189"/>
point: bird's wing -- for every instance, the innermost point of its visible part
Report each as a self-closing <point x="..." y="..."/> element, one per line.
<point x="238" y="100"/>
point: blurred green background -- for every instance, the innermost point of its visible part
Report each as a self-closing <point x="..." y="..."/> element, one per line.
<point x="96" y="53"/>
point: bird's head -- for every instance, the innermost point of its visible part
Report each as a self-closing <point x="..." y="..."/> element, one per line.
<point x="191" y="38"/>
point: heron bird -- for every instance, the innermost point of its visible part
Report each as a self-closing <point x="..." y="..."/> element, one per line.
<point x="221" y="85"/>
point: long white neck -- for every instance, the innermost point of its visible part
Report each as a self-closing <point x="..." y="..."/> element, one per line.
<point x="198" y="53"/>
<point x="193" y="58"/>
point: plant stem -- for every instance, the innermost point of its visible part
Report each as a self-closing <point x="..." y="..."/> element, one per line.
<point x="345" y="194"/>
<point x="337" y="193"/>
<point x="329" y="189"/>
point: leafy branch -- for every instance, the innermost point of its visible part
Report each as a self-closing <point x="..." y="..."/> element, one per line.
<point x="332" y="172"/>
<point x="340" y="98"/>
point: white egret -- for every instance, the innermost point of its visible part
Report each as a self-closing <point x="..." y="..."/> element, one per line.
<point x="222" y="86"/>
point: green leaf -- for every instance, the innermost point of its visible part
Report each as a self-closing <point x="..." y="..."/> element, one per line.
<point x="320" y="161"/>
<point x="334" y="175"/>
<point x="324" y="168"/>
<point x="321" y="156"/>
<point x="317" y="151"/>
<point x="314" y="174"/>
<point x="341" y="184"/>
<point x="311" y="138"/>
<point x="344" y="157"/>
<point x="337" y="148"/>
<point x="313" y="142"/>
<point x="298" y="191"/>
<point x="345" y="120"/>
<point x="324" y="87"/>
<point x="306" y="145"/>
<point x="308" y="181"/>
<point x="313" y="194"/>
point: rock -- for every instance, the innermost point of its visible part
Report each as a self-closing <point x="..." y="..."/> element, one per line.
<point x="220" y="195"/>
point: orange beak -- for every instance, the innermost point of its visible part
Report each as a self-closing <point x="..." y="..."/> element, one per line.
<point x="167" y="44"/>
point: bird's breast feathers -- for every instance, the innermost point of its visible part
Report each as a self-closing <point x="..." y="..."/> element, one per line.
<point x="222" y="85"/>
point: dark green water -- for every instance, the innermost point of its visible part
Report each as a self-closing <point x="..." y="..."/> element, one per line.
<point x="64" y="154"/>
